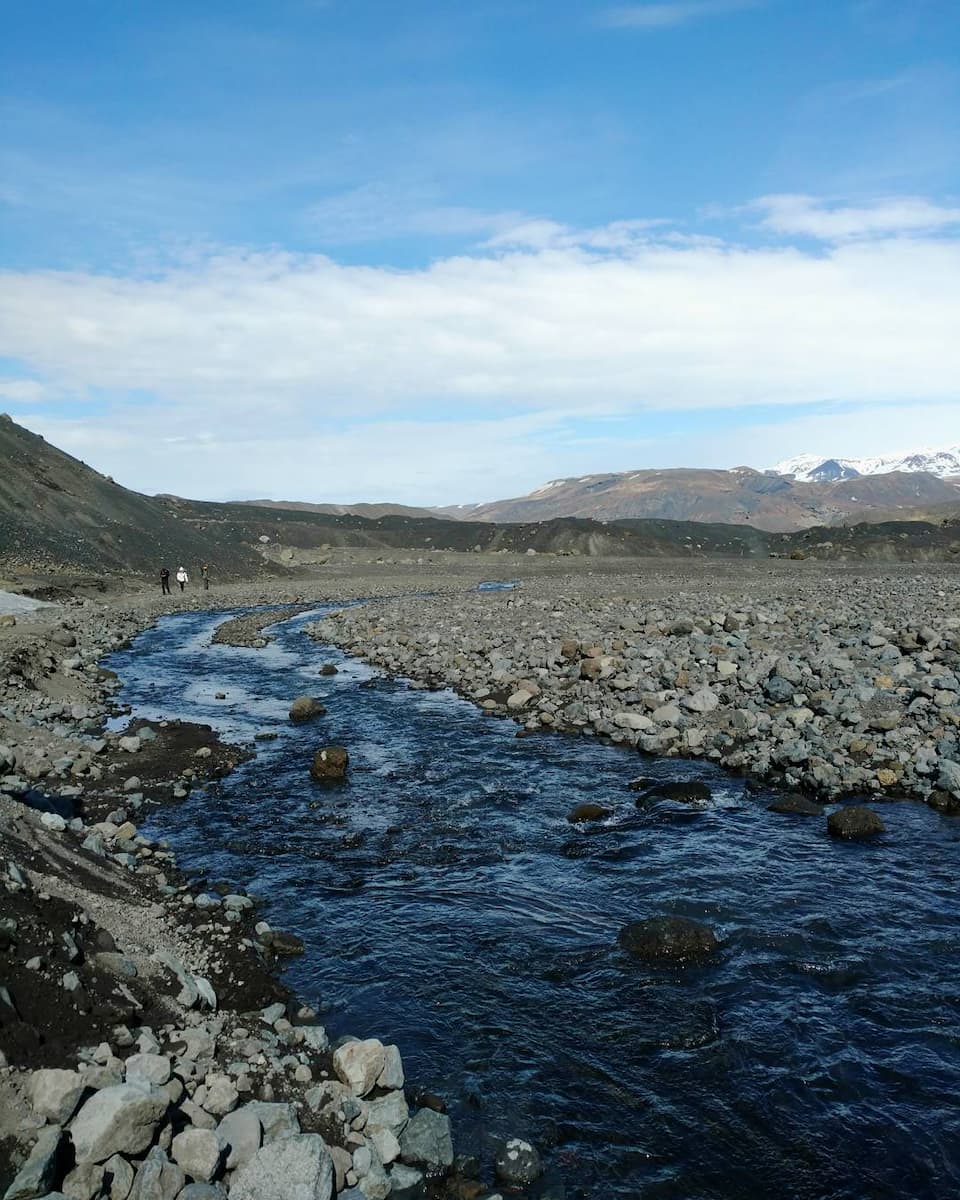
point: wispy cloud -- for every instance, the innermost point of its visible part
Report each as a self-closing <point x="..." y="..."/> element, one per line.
<point x="809" y="217"/>
<point x="671" y="13"/>
<point x="376" y="212"/>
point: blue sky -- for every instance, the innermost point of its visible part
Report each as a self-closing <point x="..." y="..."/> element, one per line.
<point x="438" y="252"/>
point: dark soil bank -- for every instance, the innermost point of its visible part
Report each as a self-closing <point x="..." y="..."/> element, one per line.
<point x="447" y="903"/>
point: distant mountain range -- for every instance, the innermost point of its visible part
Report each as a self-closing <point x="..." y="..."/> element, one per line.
<point x="57" y="513"/>
<point x="743" y="496"/>
<point x="815" y="468"/>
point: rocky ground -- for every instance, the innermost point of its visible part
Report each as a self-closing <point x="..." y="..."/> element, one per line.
<point x="147" y="1049"/>
<point x="832" y="682"/>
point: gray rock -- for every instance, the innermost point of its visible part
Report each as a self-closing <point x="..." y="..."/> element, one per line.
<point x="391" y="1076"/>
<point x="157" y="1178"/>
<point x="117" y="1120"/>
<point x="404" y="1178"/>
<point x="277" y="1120"/>
<point x="148" y="1068"/>
<point x="242" y="1134"/>
<point x="118" y="1176"/>
<point x="198" y="1152"/>
<point x="37" y="1174"/>
<point x="55" y="1094"/>
<point x="949" y="777"/>
<point x="359" y="1064"/>
<point x="388" y="1112"/>
<point x="294" y="1168"/>
<point x="84" y="1181"/>
<point x="203" y="1191"/>
<point x="427" y="1140"/>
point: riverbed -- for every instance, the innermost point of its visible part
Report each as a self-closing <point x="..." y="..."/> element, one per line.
<point x="447" y="904"/>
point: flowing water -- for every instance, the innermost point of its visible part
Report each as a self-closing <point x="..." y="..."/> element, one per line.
<point x="447" y="905"/>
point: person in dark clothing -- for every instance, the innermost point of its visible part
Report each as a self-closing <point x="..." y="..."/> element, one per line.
<point x="164" y="581"/>
<point x="205" y="576"/>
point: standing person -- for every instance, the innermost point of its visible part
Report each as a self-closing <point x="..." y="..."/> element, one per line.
<point x="204" y="575"/>
<point x="164" y="581"/>
<point x="182" y="577"/>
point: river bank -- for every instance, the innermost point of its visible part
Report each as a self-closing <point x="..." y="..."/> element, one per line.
<point x="147" y="1047"/>
<point x="567" y="636"/>
<point x="832" y="682"/>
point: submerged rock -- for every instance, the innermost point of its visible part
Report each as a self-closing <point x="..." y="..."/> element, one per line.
<point x="668" y="939"/>
<point x="798" y="805"/>
<point x="518" y="1163"/>
<point x="855" y="822"/>
<point x="588" y="812"/>
<point x="683" y="791"/>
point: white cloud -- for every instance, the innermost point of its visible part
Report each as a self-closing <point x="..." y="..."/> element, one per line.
<point x="809" y="217"/>
<point x="22" y="391"/>
<point x="670" y="14"/>
<point x="295" y="375"/>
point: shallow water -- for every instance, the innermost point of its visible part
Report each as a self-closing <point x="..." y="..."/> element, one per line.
<point x="447" y="904"/>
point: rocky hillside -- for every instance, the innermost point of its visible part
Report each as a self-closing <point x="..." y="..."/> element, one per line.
<point x="56" y="512"/>
<point x="742" y="496"/>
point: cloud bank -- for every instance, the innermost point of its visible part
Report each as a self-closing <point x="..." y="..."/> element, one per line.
<point x="518" y="352"/>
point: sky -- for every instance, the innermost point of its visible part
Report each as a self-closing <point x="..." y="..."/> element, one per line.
<point x="435" y="252"/>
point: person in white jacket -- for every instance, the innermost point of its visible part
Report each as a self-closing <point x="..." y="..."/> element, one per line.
<point x="182" y="577"/>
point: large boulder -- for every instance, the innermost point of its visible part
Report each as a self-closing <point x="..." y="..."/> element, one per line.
<point x="360" y="1064"/>
<point x="305" y="708"/>
<point x="121" y="1119"/>
<point x="198" y="1152"/>
<point x="668" y="939"/>
<point x="855" y="822"/>
<point x="330" y="762"/>
<point x="293" y="1168"/>
<point x="427" y="1140"/>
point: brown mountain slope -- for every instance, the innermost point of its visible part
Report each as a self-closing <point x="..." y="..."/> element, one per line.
<point x="56" y="512"/>
<point x="739" y="497"/>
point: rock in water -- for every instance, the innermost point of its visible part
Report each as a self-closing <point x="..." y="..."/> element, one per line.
<point x="858" y="821"/>
<point x="683" y="791"/>
<point x="305" y="708"/>
<point x="330" y="762"/>
<point x="799" y="805"/>
<point x="588" y="812"/>
<point x="293" y="1168"/>
<point x="668" y="939"/>
<point x="518" y="1164"/>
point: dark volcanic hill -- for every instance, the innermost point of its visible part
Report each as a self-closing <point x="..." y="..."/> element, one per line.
<point x="56" y="512"/>
<point x="776" y="503"/>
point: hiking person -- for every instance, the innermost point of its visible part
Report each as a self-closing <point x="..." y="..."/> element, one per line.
<point x="204" y="575"/>
<point x="182" y="577"/>
<point x="164" y="581"/>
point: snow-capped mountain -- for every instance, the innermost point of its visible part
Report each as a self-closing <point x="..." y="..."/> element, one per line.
<point x="818" y="468"/>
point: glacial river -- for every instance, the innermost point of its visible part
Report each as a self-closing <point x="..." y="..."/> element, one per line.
<point x="447" y="905"/>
